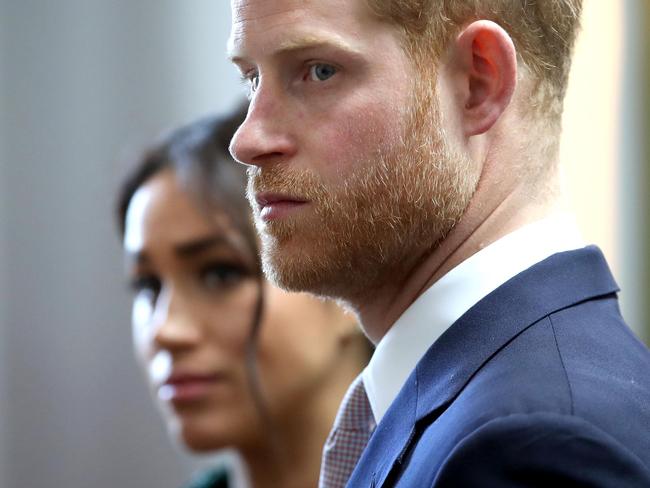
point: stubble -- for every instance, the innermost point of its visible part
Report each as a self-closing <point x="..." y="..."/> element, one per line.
<point x="376" y="225"/>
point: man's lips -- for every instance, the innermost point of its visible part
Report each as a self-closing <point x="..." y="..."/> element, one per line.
<point x="188" y="387"/>
<point x="274" y="206"/>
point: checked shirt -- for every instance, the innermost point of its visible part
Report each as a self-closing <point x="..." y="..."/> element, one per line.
<point x="352" y="428"/>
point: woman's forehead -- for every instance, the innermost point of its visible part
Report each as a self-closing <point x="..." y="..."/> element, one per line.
<point x="162" y="212"/>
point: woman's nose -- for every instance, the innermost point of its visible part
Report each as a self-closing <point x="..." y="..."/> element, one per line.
<point x="175" y="322"/>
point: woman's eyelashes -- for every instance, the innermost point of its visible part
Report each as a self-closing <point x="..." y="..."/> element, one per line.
<point x="221" y="276"/>
<point x="217" y="276"/>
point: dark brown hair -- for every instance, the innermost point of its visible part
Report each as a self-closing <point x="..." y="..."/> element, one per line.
<point x="198" y="153"/>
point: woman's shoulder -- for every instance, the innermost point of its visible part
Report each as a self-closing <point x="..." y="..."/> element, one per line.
<point x="214" y="478"/>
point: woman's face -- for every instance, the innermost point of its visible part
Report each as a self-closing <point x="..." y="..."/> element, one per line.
<point x="194" y="294"/>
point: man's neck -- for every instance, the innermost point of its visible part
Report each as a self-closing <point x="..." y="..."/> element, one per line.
<point x="483" y="223"/>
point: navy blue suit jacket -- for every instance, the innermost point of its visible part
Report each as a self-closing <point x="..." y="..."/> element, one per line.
<point x="540" y="384"/>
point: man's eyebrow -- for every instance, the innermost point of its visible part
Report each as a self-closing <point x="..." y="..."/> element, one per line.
<point x="302" y="43"/>
<point x="313" y="42"/>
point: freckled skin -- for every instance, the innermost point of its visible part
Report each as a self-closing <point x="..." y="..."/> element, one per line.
<point x="347" y="146"/>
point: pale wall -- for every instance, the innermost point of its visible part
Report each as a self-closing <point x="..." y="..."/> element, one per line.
<point x="4" y="404"/>
<point x="82" y="80"/>
<point x="601" y="143"/>
<point x="592" y="116"/>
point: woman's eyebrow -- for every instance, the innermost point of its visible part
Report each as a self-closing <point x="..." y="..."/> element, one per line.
<point x="197" y="246"/>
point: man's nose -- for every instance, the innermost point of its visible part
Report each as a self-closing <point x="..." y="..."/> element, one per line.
<point x="265" y="137"/>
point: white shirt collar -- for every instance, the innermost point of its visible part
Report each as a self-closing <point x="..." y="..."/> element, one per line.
<point x="455" y="293"/>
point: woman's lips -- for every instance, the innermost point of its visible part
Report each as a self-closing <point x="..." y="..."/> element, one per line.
<point x="187" y="388"/>
<point x="275" y="206"/>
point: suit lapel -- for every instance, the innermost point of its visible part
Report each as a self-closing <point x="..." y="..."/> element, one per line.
<point x="558" y="282"/>
<point x="389" y="441"/>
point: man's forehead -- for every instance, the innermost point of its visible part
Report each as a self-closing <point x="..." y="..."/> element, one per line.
<point x="251" y="14"/>
<point x="301" y="19"/>
<point x="254" y="17"/>
<point x="257" y="9"/>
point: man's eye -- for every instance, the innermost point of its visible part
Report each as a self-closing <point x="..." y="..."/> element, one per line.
<point x="149" y="285"/>
<point x="251" y="80"/>
<point x="219" y="276"/>
<point x="254" y="82"/>
<point x="321" y="72"/>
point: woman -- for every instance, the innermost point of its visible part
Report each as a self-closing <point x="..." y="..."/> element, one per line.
<point x="232" y="360"/>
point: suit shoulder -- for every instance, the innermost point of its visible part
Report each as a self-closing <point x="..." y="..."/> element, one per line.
<point x="582" y="362"/>
<point x="607" y="371"/>
<point x="526" y="375"/>
<point x="551" y="449"/>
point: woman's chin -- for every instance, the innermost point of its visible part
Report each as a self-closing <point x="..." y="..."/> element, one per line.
<point x="202" y="437"/>
<point x="201" y="446"/>
<point x="199" y="441"/>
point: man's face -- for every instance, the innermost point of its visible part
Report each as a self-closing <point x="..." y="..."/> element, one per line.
<point x="351" y="180"/>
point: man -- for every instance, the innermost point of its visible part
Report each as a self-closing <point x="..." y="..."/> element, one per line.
<point x="404" y="160"/>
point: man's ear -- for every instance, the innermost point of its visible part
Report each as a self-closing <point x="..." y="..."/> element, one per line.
<point x="486" y="68"/>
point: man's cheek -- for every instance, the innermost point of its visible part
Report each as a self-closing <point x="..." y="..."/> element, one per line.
<point x="357" y="140"/>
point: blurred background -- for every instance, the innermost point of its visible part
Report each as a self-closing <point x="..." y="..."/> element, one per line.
<point x="84" y="84"/>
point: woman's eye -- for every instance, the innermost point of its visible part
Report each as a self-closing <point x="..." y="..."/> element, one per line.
<point x="321" y="72"/>
<point x="218" y="276"/>
<point x="146" y="284"/>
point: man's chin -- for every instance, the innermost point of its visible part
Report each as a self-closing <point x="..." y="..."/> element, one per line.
<point x="276" y="233"/>
<point x="288" y="266"/>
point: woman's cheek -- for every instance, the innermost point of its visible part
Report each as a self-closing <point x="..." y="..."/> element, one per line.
<point x="230" y="317"/>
